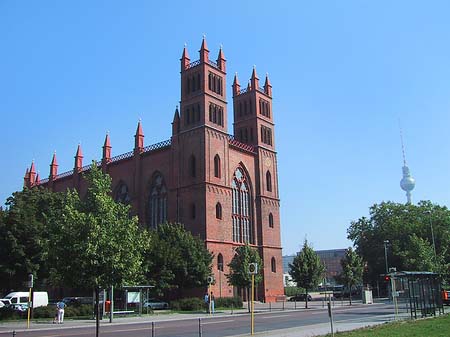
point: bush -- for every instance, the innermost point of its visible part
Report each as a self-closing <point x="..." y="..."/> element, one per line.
<point x="45" y="312"/>
<point x="292" y="291"/>
<point x="228" y="302"/>
<point x="8" y="313"/>
<point x="188" y="304"/>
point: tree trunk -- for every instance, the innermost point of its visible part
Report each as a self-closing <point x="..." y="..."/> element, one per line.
<point x="306" y="299"/>
<point x="97" y="312"/>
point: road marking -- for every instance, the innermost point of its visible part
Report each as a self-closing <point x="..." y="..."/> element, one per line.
<point x="216" y="322"/>
<point x="276" y="316"/>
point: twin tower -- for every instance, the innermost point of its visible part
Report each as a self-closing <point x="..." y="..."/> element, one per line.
<point x="223" y="188"/>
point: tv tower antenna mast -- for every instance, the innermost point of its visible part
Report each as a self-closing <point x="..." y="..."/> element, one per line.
<point x="407" y="183"/>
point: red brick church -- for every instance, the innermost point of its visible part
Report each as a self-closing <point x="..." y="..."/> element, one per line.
<point x="222" y="187"/>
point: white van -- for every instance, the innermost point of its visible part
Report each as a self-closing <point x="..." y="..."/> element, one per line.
<point x="16" y="298"/>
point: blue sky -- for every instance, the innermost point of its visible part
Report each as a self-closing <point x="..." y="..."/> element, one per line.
<point x="343" y="74"/>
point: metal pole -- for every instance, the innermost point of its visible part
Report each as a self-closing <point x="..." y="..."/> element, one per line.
<point x="153" y="329"/>
<point x="111" y="309"/>
<point x="29" y="308"/>
<point x="330" y="313"/>
<point x="252" y="305"/>
<point x="432" y="237"/>
<point x="385" y="254"/>
<point x="200" y="327"/>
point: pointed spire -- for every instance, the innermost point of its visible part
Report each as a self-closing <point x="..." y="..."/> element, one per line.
<point x="221" y="60"/>
<point x="32" y="174"/>
<point x="78" y="159"/>
<point x="268" y="86"/>
<point x="204" y="52"/>
<point x="236" y="85"/>
<point x="254" y="80"/>
<point x="185" y="60"/>
<point x="176" y="122"/>
<point x="107" y="149"/>
<point x="53" y="167"/>
<point x="249" y="86"/>
<point x="139" y="139"/>
<point x="26" y="178"/>
<point x="38" y="179"/>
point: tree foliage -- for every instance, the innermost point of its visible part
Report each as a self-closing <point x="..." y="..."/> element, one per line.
<point x="25" y="237"/>
<point x="95" y="242"/>
<point x="176" y="259"/>
<point x="352" y="270"/>
<point x="407" y="227"/>
<point x="239" y="275"/>
<point x="307" y="269"/>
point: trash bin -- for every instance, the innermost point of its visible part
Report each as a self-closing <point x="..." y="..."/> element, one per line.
<point x="367" y="297"/>
<point x="107" y="306"/>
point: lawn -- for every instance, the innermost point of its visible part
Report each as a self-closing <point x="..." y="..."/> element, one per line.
<point x="430" y="327"/>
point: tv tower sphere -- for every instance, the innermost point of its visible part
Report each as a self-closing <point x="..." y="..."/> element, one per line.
<point x="407" y="183"/>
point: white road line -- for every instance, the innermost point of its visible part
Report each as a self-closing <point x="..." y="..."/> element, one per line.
<point x="216" y="322"/>
<point x="276" y="316"/>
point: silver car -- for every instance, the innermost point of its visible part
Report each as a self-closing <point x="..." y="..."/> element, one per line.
<point x="154" y="303"/>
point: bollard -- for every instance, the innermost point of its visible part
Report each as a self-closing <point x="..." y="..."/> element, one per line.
<point x="153" y="329"/>
<point x="283" y="305"/>
<point x="295" y="304"/>
<point x="14" y="333"/>
<point x="199" y="327"/>
<point x="270" y="306"/>
<point x="232" y="306"/>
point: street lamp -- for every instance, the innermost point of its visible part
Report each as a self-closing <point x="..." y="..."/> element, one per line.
<point x="432" y="234"/>
<point x="386" y="242"/>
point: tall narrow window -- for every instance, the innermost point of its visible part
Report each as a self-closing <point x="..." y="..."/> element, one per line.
<point x="157" y="201"/>
<point x="241" y="218"/>
<point x="268" y="181"/>
<point x="273" y="264"/>
<point x="220" y="262"/>
<point x="192" y="166"/>
<point x="193" y="211"/>
<point x="270" y="220"/>
<point x="217" y="166"/>
<point x="218" y="211"/>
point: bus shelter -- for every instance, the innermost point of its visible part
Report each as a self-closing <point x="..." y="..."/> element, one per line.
<point x="421" y="290"/>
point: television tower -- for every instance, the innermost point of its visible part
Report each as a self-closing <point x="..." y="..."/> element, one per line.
<point x="407" y="183"/>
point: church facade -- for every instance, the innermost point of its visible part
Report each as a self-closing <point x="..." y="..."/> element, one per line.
<point x="222" y="187"/>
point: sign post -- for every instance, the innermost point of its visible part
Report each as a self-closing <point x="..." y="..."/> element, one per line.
<point x="253" y="270"/>
<point x="30" y="301"/>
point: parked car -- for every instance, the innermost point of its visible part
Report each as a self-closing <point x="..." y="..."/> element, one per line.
<point x="154" y="303"/>
<point x="300" y="297"/>
<point x="77" y="300"/>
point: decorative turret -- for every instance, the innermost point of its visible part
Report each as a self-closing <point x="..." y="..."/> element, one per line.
<point x="204" y="52"/>
<point x="236" y="85"/>
<point x="267" y="86"/>
<point x="176" y="122"/>
<point x="185" y="60"/>
<point x="78" y="159"/>
<point x="53" y="167"/>
<point x="26" y="178"/>
<point x="221" y="60"/>
<point x="38" y="179"/>
<point x="254" y="80"/>
<point x="139" y="139"/>
<point x="106" y="158"/>
<point x="32" y="174"/>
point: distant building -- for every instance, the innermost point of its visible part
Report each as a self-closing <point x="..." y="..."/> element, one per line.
<point x="331" y="258"/>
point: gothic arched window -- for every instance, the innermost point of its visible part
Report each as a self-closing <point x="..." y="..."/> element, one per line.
<point x="157" y="202"/>
<point x="217" y="166"/>
<point x="273" y="265"/>
<point x="121" y="194"/>
<point x="242" y="227"/>
<point x="220" y="262"/>
<point x="218" y="211"/>
<point x="268" y="181"/>
<point x="270" y="220"/>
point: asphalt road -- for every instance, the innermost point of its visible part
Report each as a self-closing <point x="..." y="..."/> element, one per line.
<point x="220" y="325"/>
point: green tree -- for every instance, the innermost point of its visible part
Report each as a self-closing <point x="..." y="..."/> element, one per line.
<point x="175" y="259"/>
<point x="352" y="270"/>
<point x="407" y="227"/>
<point x="24" y="237"/>
<point x="239" y="275"/>
<point x="96" y="244"/>
<point x="306" y="269"/>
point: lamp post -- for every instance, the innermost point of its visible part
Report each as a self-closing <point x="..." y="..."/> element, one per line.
<point x="432" y="234"/>
<point x="386" y="242"/>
